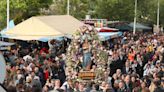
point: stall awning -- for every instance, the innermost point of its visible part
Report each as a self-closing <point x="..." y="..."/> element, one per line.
<point x="103" y="36"/>
<point x="106" y="29"/>
<point x="2" y="43"/>
<point x="140" y="26"/>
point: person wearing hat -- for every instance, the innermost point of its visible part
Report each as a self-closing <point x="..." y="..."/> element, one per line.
<point x="28" y="81"/>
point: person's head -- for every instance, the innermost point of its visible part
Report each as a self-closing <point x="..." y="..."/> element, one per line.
<point x="28" y="89"/>
<point x="76" y="84"/>
<point x="156" y="76"/>
<point x="93" y="66"/>
<point x="127" y="79"/>
<point x="32" y="74"/>
<point x="127" y="64"/>
<point x="136" y="89"/>
<point x="86" y="40"/>
<point x="133" y="79"/>
<point x="138" y="56"/>
<point x="115" y="76"/>
<point x="95" y="87"/>
<point x="107" y="86"/>
<point x="149" y="62"/>
<point x="18" y="71"/>
<point x="52" y="41"/>
<point x="135" y="62"/>
<point x="158" y="64"/>
<point x="143" y="85"/>
<point x="121" y="84"/>
<point x="70" y="82"/>
<point x="145" y="90"/>
<point x="57" y="83"/>
<point x="123" y="76"/>
<point x="45" y="88"/>
<point x="81" y="86"/>
<point x="118" y="71"/>
<point x="36" y="69"/>
<point x="157" y="83"/>
<point x="103" y="84"/>
<point x="53" y="82"/>
<point x="11" y="89"/>
<point x="28" y="79"/>
<point x="36" y="88"/>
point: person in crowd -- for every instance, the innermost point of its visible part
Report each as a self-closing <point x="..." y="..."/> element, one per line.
<point x="158" y="87"/>
<point x="122" y="87"/>
<point x="132" y="65"/>
<point x="127" y="69"/>
<point x="128" y="83"/>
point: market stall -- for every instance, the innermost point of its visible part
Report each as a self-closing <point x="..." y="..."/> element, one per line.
<point x="5" y="45"/>
<point x="103" y="36"/>
<point x="106" y="29"/>
<point x="44" y="27"/>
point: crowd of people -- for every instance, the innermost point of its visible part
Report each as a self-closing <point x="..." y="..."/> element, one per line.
<point x="131" y="63"/>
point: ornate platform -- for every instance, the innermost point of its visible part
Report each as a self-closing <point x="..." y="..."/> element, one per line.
<point x="86" y="75"/>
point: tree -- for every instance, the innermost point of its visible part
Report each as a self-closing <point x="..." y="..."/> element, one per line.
<point x="115" y="9"/>
<point x="122" y="10"/>
<point x="78" y="8"/>
<point x="22" y="9"/>
<point x="147" y="11"/>
<point x="162" y="12"/>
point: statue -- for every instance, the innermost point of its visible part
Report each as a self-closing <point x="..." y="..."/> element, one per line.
<point x="86" y="55"/>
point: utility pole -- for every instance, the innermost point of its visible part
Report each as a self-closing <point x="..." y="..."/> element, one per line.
<point x="158" y="14"/>
<point x="135" y="17"/>
<point x="68" y="6"/>
<point x="8" y="13"/>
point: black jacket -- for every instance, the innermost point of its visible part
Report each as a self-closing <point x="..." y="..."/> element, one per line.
<point x="127" y="72"/>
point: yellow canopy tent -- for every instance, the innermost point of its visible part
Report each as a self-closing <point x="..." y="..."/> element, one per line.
<point x="39" y="27"/>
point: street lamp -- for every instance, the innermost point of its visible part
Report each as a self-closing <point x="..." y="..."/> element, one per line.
<point x="68" y="7"/>
<point x="135" y="15"/>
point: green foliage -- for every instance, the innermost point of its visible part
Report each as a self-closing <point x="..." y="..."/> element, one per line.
<point x="22" y="9"/>
<point x="122" y="10"/>
<point x="162" y="12"/>
<point x="115" y="9"/>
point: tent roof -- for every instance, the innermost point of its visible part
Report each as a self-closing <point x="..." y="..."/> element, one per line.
<point x="106" y="28"/>
<point x="11" y="25"/>
<point x="103" y="36"/>
<point x="63" y="23"/>
<point x="35" y="28"/>
<point x="139" y="26"/>
<point x="2" y="43"/>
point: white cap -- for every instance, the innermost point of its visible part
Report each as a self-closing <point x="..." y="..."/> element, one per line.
<point x="158" y="61"/>
<point x="56" y="59"/>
